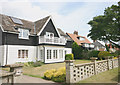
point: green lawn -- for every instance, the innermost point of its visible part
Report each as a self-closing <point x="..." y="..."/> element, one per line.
<point x="110" y="76"/>
<point x="39" y="71"/>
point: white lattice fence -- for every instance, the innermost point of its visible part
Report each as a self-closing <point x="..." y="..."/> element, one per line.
<point x="75" y="73"/>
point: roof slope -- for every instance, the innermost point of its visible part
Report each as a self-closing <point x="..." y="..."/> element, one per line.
<point x="40" y="23"/>
<point x="61" y="32"/>
<point x="64" y="34"/>
<point x="75" y="39"/>
<point x="8" y="24"/>
<point x="96" y="43"/>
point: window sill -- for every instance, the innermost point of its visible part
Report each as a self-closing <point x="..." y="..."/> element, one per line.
<point x="24" y="38"/>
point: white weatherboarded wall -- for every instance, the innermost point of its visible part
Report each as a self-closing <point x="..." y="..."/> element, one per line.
<point x="13" y="54"/>
<point x="1" y="55"/>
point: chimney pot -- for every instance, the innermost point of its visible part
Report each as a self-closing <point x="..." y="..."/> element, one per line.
<point x="75" y="32"/>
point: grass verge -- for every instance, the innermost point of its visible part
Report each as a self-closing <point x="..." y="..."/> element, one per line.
<point x="110" y="76"/>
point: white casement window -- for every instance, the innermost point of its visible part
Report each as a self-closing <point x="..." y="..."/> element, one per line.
<point x="49" y="35"/>
<point x="55" y="54"/>
<point x="22" y="53"/>
<point x="49" y="54"/>
<point x="24" y="33"/>
<point x="60" y="54"/>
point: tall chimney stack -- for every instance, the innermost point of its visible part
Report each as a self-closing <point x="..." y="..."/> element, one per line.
<point x="75" y="32"/>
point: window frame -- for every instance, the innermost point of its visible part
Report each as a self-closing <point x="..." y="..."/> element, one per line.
<point x="23" y="53"/>
<point x="55" y="54"/>
<point x="61" y="54"/>
<point x="22" y="33"/>
<point x="49" y="33"/>
<point x="49" y="54"/>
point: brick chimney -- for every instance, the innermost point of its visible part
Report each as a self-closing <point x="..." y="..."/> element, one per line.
<point x="75" y="32"/>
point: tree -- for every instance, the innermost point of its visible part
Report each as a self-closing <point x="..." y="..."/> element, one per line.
<point x="107" y="27"/>
<point x="107" y="48"/>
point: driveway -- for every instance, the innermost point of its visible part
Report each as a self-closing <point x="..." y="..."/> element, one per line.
<point x="27" y="80"/>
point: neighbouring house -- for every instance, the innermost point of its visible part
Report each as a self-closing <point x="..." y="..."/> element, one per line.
<point x="99" y="46"/>
<point x="112" y="48"/>
<point x="80" y="40"/>
<point x="24" y="41"/>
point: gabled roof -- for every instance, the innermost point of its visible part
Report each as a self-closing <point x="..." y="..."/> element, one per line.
<point x="97" y="43"/>
<point x="64" y="34"/>
<point x="75" y="39"/>
<point x="61" y="32"/>
<point x="35" y="27"/>
<point x="40" y="23"/>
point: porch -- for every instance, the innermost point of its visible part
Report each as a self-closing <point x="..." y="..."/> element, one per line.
<point x="52" y="54"/>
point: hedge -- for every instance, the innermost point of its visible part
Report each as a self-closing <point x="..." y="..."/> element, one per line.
<point x="103" y="54"/>
<point x="69" y="57"/>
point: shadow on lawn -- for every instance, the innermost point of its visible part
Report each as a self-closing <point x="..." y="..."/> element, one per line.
<point x="115" y="78"/>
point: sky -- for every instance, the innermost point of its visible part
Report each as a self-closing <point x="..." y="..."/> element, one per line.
<point x="69" y="15"/>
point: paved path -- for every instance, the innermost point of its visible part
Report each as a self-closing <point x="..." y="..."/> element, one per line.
<point x="28" y="79"/>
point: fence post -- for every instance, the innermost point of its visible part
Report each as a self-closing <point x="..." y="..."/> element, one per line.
<point x="95" y="68"/>
<point x="112" y="63"/>
<point x="108" y="60"/>
<point x="69" y="71"/>
<point x="93" y="59"/>
<point x="119" y="69"/>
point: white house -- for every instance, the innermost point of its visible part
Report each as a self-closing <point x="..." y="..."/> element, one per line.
<point x="24" y="41"/>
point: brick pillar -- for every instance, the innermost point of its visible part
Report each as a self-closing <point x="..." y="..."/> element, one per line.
<point x="69" y="71"/>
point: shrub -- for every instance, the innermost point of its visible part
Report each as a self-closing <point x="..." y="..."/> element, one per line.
<point x="113" y="54"/>
<point x="26" y="64"/>
<point x="49" y="74"/>
<point x="85" y="54"/>
<point x="115" y="58"/>
<point x="60" y="75"/>
<point x="34" y="64"/>
<point x="117" y="52"/>
<point x="56" y="75"/>
<point x="69" y="57"/>
<point x="103" y="54"/>
<point x="37" y="64"/>
<point x="93" y="53"/>
<point x="77" y="50"/>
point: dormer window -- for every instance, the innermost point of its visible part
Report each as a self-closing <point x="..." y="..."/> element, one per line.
<point x="49" y="35"/>
<point x="24" y="33"/>
<point x="81" y="38"/>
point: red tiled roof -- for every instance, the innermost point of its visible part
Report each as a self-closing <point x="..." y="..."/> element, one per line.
<point x="75" y="39"/>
